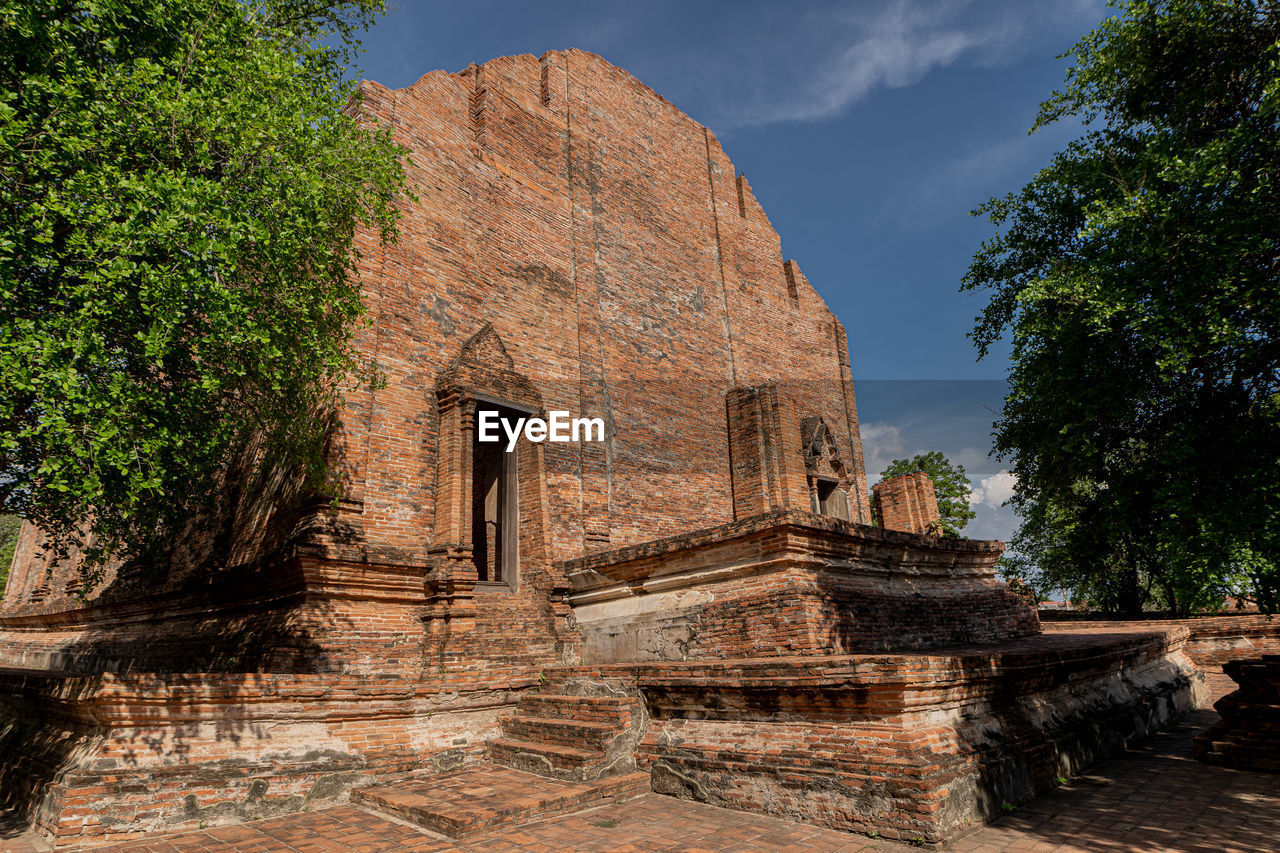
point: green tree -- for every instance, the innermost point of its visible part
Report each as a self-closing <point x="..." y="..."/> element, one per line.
<point x="181" y="181"/>
<point x="950" y="484"/>
<point x="10" y="526"/>
<point x="1137" y="276"/>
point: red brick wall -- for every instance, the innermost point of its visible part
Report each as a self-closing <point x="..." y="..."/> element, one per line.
<point x="799" y="613"/>
<point x="906" y="502"/>
<point x="1214" y="640"/>
<point x="148" y="753"/>
<point x="918" y="747"/>
<point x="765" y="425"/>
<point x="791" y="583"/>
<point x="629" y="273"/>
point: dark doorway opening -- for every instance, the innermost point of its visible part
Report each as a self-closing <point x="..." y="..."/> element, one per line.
<point x="494" y="504"/>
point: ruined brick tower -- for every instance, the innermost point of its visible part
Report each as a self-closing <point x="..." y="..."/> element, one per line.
<point x="906" y="502"/>
<point x="577" y="244"/>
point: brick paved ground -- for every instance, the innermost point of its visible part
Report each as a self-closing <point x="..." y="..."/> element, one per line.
<point x="1154" y="798"/>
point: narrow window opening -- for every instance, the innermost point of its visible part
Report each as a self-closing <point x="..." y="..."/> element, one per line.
<point x="494" y="505"/>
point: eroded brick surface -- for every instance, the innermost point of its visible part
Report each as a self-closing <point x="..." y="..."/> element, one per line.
<point x="906" y="502"/>
<point x="1155" y="797"/>
<point x="1214" y="640"/>
<point x="909" y="745"/>
<point x="791" y="583"/>
<point x="579" y="244"/>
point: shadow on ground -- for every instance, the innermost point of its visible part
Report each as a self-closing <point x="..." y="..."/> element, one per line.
<point x="1155" y="797"/>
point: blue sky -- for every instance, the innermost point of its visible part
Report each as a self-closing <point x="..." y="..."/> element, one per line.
<point x="869" y="130"/>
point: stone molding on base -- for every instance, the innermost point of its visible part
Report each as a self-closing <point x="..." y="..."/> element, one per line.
<point x="787" y="583"/>
<point x="912" y="746"/>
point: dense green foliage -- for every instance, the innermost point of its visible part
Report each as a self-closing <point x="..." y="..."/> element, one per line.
<point x="950" y="485"/>
<point x="181" y="183"/>
<point x="1138" y="275"/>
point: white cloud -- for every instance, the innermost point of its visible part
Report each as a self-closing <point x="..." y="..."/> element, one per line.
<point x="881" y="444"/>
<point x="895" y="50"/>
<point x="945" y="190"/>
<point x="821" y="63"/>
<point x="992" y="524"/>
<point x="886" y="437"/>
<point x="993" y="491"/>
<point x="971" y="458"/>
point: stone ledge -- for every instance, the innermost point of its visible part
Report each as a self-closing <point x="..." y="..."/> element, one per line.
<point x="1214" y="640"/>
<point x="786" y="583"/>
<point x="893" y="549"/>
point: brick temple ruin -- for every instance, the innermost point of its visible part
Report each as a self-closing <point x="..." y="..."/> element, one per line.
<point x="697" y="605"/>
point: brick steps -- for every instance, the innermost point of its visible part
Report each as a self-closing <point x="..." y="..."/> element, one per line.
<point x="610" y="709"/>
<point x="566" y="736"/>
<point x="504" y="751"/>
<point x="582" y="734"/>
<point x="485" y="797"/>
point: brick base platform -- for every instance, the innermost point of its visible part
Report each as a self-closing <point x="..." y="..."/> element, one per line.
<point x="917" y="746"/>
<point x="1214" y="640"/>
<point x="111" y="756"/>
<point x="908" y="745"/>
<point x="791" y="583"/>
<point x="1153" y="797"/>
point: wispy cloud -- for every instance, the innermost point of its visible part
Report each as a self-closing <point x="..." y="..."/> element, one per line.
<point x="947" y="189"/>
<point x="972" y="458"/>
<point x="822" y="60"/>
<point x="881" y="444"/>
<point x="893" y="50"/>
<point x="885" y="436"/>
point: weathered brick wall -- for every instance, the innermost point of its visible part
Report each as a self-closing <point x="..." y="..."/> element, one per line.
<point x="766" y="472"/>
<point x="577" y="243"/>
<point x="791" y="583"/>
<point x="628" y="271"/>
<point x="260" y="513"/>
<point x="906" y="502"/>
<point x="803" y="613"/>
<point x="106" y="757"/>
<point x="918" y="747"/>
<point x="1213" y="640"/>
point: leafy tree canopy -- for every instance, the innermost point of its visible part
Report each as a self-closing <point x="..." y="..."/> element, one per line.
<point x="181" y="181"/>
<point x="1137" y="275"/>
<point x="950" y="484"/>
